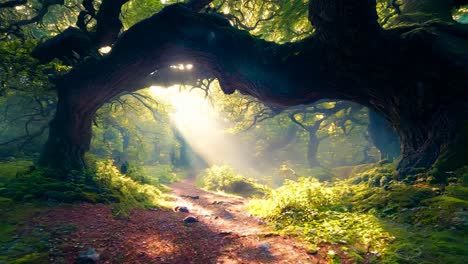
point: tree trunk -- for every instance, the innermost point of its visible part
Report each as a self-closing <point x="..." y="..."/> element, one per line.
<point x="423" y="140"/>
<point x="69" y="135"/>
<point x="383" y="136"/>
<point x="312" y="149"/>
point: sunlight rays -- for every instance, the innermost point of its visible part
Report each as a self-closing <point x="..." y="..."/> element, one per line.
<point x="203" y="127"/>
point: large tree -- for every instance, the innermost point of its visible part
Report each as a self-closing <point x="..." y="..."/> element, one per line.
<point x="413" y="72"/>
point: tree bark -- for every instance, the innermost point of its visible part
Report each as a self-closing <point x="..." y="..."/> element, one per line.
<point x="69" y="135"/>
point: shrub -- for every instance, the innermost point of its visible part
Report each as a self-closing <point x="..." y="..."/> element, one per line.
<point x="131" y="193"/>
<point x="224" y="178"/>
<point x="315" y="211"/>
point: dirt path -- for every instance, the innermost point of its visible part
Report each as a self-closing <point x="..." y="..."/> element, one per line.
<point x="224" y="233"/>
<point x="253" y="241"/>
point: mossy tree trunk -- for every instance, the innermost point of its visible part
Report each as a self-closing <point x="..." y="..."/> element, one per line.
<point x="414" y="75"/>
<point x="70" y="134"/>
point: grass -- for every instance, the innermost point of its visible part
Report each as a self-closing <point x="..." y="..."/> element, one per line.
<point x="392" y="222"/>
<point x="130" y="193"/>
<point x="9" y="169"/>
<point x="25" y="192"/>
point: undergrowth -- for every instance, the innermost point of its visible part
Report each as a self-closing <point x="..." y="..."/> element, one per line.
<point x="131" y="193"/>
<point x="224" y="178"/>
<point x="371" y="218"/>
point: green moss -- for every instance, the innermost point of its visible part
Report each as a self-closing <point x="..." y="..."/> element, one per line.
<point x="7" y="231"/>
<point x="447" y="203"/>
<point x="9" y="170"/>
<point x="375" y="175"/>
<point x="457" y="191"/>
<point x="37" y="258"/>
<point x="19" y="244"/>
<point x="453" y="161"/>
<point x="425" y="246"/>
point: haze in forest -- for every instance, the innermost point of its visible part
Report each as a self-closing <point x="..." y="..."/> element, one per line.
<point x="233" y="131"/>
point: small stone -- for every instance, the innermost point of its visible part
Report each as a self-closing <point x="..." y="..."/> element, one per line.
<point x="190" y="220"/>
<point x="181" y="209"/>
<point x="265" y="247"/>
<point x="89" y="256"/>
<point x="194" y="197"/>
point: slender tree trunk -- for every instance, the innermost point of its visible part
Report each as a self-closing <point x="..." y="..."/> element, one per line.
<point x="312" y="149"/>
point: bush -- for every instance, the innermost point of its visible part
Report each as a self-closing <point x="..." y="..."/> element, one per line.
<point x="105" y="184"/>
<point x="131" y="193"/>
<point x="316" y="211"/>
<point x="224" y="178"/>
<point x="45" y="184"/>
<point x="161" y="173"/>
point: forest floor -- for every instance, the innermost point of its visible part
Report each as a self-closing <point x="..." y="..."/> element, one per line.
<point x="224" y="233"/>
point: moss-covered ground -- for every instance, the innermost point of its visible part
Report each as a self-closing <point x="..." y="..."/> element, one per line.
<point x="26" y="191"/>
<point x="365" y="217"/>
<point x="371" y="218"/>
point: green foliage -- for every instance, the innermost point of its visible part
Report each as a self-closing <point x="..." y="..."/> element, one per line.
<point x="22" y="72"/>
<point x="224" y="178"/>
<point x="397" y="223"/>
<point x="162" y="174"/>
<point x="48" y="185"/>
<point x="316" y="212"/>
<point x="9" y="169"/>
<point x="130" y="193"/>
<point x="461" y="14"/>
<point x="136" y="10"/>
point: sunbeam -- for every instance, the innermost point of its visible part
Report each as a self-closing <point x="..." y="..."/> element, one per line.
<point x="204" y="128"/>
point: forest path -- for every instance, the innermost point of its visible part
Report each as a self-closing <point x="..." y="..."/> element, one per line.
<point x="252" y="240"/>
<point x="225" y="233"/>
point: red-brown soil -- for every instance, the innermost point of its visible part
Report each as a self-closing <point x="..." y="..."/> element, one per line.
<point x="225" y="233"/>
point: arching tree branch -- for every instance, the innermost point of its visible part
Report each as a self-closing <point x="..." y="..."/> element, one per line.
<point x="338" y="62"/>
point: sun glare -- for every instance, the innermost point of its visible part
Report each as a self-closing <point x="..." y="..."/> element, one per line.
<point x="203" y="127"/>
<point x="105" y="50"/>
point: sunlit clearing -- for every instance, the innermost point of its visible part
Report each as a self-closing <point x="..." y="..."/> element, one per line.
<point x="105" y="50"/>
<point x="203" y="127"/>
<point x="21" y="7"/>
